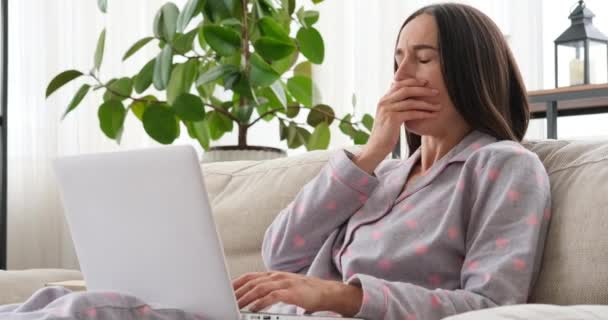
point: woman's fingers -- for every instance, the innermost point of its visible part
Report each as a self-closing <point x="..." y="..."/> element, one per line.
<point x="412" y="109"/>
<point x="260" y="291"/>
<point x="415" y="115"/>
<point x="246" y="278"/>
<point x="281" y="295"/>
<point x="413" y="104"/>
<point x="253" y="283"/>
<point x="404" y="93"/>
<point x="408" y="83"/>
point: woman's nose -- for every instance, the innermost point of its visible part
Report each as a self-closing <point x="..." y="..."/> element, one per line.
<point x="404" y="71"/>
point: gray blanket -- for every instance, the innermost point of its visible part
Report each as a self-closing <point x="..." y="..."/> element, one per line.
<point x="59" y="303"/>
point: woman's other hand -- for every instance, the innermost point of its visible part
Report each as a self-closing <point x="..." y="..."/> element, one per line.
<point x="260" y="290"/>
<point x="406" y="100"/>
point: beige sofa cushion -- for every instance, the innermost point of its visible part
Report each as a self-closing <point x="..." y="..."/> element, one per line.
<point x="575" y="263"/>
<point x="18" y="285"/>
<point x="247" y="195"/>
<point x="536" y="312"/>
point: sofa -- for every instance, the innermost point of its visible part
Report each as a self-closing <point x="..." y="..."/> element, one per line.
<point x="573" y="283"/>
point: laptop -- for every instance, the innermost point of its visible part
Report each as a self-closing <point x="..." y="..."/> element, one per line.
<point x="142" y="224"/>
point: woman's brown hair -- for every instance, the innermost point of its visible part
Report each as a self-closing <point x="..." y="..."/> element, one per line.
<point x="479" y="71"/>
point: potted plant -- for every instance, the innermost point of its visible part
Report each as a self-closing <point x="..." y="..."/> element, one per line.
<point x="243" y="46"/>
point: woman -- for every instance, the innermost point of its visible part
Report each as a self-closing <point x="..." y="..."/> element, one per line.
<point x="458" y="226"/>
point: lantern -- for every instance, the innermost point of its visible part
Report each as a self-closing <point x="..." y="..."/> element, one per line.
<point x="581" y="52"/>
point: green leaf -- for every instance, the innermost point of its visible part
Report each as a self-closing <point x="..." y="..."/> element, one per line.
<point x="273" y="49"/>
<point x="231" y="79"/>
<point x="319" y="140"/>
<point x="225" y="41"/>
<point x="157" y="25"/>
<point x="181" y="79"/>
<point x="201" y="132"/>
<point x="101" y="42"/>
<point x="368" y="121"/>
<point x="111" y="118"/>
<point x="271" y="28"/>
<point x="143" y="79"/>
<point x="233" y="23"/>
<point x="346" y="127"/>
<point x="301" y="89"/>
<point x="218" y="124"/>
<point x="262" y="74"/>
<point x="296" y="136"/>
<point x="61" y="79"/>
<point x="303" y="69"/>
<point x="279" y="92"/>
<point x="186" y="14"/>
<point x="80" y="94"/>
<point x="102" y="5"/>
<point x="138" y="45"/>
<point x="201" y="39"/>
<point x="289" y="5"/>
<point x="189" y="107"/>
<point x="216" y="73"/>
<point x="241" y="85"/>
<point x="262" y="109"/>
<point x="311" y="44"/>
<point x="320" y="114"/>
<point x="361" y="137"/>
<point x="138" y="107"/>
<point x="317" y="1"/>
<point x="119" y="90"/>
<point x="162" y="68"/>
<point x="265" y="8"/>
<point x="282" y="130"/>
<point x="160" y="123"/>
<point x="243" y="113"/>
<point x="230" y="5"/>
<point x="183" y="43"/>
<point x="217" y="10"/>
<point x="292" y="111"/>
<point x="165" y="21"/>
<point x="283" y="65"/>
<point x="308" y="18"/>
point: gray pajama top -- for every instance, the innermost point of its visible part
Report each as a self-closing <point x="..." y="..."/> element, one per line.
<point x="467" y="235"/>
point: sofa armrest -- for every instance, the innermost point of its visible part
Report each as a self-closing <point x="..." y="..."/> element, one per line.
<point x="536" y="312"/>
<point x="18" y="285"/>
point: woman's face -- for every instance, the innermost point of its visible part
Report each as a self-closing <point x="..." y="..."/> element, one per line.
<point x="417" y="56"/>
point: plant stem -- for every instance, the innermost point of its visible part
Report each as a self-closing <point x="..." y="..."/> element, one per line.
<point x="243" y="127"/>
<point x="301" y="107"/>
<point x="216" y="108"/>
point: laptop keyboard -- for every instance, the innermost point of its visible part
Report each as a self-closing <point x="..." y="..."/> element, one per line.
<point x="259" y="317"/>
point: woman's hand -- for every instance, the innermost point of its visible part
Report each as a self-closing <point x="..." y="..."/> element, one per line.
<point x="263" y="289"/>
<point x="396" y="107"/>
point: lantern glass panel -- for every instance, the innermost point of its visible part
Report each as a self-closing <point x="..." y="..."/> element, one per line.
<point x="571" y="63"/>
<point x="598" y="62"/>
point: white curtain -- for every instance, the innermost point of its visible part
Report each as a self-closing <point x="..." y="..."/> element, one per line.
<point x="47" y="37"/>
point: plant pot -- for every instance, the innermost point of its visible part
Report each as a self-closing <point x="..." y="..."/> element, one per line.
<point x="236" y="153"/>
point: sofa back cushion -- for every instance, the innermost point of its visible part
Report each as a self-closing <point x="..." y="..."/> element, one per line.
<point x="247" y="195"/>
<point x="575" y="263"/>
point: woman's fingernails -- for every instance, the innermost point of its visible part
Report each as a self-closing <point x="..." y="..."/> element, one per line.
<point x="435" y="91"/>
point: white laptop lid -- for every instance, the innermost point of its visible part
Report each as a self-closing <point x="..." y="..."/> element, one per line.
<point x="141" y="224"/>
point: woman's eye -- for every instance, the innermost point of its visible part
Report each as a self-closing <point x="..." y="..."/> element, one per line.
<point x="423" y="61"/>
